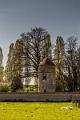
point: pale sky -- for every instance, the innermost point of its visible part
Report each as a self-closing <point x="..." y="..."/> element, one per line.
<point x="59" y="17"/>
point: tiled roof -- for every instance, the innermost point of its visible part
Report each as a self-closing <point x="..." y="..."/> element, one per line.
<point x="46" y="61"/>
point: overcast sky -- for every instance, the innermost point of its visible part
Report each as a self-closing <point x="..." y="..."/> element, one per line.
<point x="59" y="17"/>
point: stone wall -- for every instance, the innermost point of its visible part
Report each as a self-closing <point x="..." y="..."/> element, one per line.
<point x="56" y="97"/>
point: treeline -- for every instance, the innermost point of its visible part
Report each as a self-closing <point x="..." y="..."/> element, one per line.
<point x="67" y="61"/>
<point x="25" y="55"/>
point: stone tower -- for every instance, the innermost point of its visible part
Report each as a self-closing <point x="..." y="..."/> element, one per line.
<point x="46" y="76"/>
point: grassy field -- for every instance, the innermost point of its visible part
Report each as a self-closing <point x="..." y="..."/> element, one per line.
<point x="37" y="111"/>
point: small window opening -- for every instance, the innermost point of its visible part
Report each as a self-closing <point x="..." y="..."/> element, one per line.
<point x="44" y="77"/>
<point x="44" y="90"/>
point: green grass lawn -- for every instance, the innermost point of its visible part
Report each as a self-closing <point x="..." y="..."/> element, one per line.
<point x="37" y="111"/>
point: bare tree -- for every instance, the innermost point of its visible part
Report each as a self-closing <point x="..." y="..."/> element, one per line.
<point x="39" y="44"/>
<point x="71" y="60"/>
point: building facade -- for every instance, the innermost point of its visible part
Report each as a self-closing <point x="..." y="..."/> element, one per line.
<point x="46" y="76"/>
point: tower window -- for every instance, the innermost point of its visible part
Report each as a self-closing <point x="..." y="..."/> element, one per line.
<point x="44" y="90"/>
<point x="44" y="77"/>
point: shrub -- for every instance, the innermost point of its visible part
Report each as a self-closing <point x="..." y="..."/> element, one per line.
<point x="4" y="88"/>
<point x="16" y="84"/>
<point x="31" y="88"/>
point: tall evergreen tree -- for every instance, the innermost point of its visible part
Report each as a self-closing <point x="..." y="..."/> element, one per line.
<point x="10" y="63"/>
<point x="1" y="65"/>
<point x="16" y="82"/>
<point x="59" y="62"/>
<point x="78" y="68"/>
